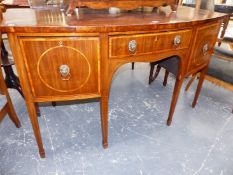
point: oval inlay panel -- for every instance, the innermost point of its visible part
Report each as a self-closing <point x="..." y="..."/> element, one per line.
<point x="50" y="61"/>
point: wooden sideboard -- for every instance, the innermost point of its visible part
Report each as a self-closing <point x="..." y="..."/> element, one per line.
<point x="61" y="57"/>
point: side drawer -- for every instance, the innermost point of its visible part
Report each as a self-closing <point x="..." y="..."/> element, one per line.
<point x="123" y="46"/>
<point x="61" y="65"/>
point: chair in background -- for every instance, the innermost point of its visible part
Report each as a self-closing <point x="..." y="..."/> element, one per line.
<point x="171" y="64"/>
<point x="6" y="106"/>
<point x="11" y="79"/>
<point x="220" y="71"/>
<point x="173" y="69"/>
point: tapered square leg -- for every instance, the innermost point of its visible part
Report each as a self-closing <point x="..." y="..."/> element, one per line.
<point x="35" y="126"/>
<point x="104" y="120"/>
<point x="175" y="96"/>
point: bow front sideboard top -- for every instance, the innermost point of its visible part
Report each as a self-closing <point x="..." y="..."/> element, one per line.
<point x="60" y="57"/>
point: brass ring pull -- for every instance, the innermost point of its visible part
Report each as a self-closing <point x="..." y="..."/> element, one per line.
<point x="205" y="49"/>
<point x="177" y="40"/>
<point x="132" y="46"/>
<point x="60" y="43"/>
<point x="65" y="72"/>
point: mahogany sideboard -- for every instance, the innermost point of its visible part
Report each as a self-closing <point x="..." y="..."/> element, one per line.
<point x="61" y="57"/>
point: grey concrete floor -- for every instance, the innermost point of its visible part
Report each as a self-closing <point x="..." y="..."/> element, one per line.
<point x="199" y="141"/>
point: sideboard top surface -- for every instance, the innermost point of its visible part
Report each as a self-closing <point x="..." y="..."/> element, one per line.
<point x="89" y="20"/>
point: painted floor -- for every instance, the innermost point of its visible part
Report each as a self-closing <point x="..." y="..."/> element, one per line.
<point x="199" y="141"/>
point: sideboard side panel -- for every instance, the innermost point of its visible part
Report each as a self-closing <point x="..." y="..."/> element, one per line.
<point x="204" y="42"/>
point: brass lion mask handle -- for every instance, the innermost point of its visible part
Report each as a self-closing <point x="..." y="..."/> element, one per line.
<point x="64" y="70"/>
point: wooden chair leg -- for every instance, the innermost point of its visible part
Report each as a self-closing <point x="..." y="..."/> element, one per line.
<point x="224" y="27"/>
<point x="12" y="81"/>
<point x="152" y="67"/>
<point x="157" y="72"/>
<point x="165" y="78"/>
<point x="151" y="76"/>
<point x="37" y="110"/>
<point x="199" y="86"/>
<point x="9" y="106"/>
<point x="54" y="104"/>
<point x="175" y="96"/>
<point x="12" y="115"/>
<point x="190" y="82"/>
<point x="132" y="65"/>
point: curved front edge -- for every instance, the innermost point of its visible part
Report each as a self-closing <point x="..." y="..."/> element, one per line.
<point x="110" y="66"/>
<point x="107" y="69"/>
<point x="106" y="79"/>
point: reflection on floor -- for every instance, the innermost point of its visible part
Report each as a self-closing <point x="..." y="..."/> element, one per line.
<point x="199" y="141"/>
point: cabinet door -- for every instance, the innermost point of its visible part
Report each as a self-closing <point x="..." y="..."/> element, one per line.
<point x="203" y="45"/>
<point x="61" y="65"/>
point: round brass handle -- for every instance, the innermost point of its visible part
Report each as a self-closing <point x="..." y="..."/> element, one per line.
<point x="177" y="40"/>
<point x="65" y="72"/>
<point x="132" y="46"/>
<point x="205" y="49"/>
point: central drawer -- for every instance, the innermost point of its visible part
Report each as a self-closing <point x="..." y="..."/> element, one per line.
<point x="61" y="65"/>
<point x="130" y="45"/>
